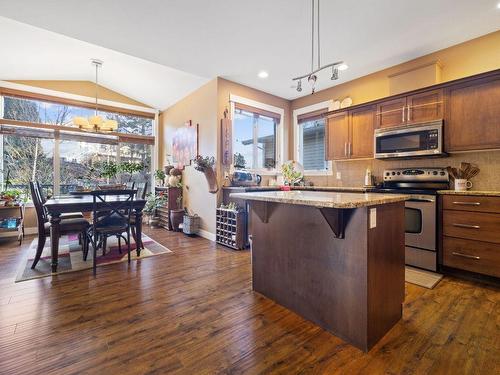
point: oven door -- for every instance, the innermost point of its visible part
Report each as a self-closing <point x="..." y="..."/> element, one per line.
<point x="409" y="141"/>
<point x="420" y="222"/>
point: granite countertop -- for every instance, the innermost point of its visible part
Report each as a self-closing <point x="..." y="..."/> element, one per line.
<point x="323" y="199"/>
<point x="304" y="188"/>
<point x="484" y="193"/>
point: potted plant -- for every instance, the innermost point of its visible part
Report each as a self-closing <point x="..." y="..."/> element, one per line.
<point x="175" y="176"/>
<point x="11" y="197"/>
<point x="177" y="215"/>
<point x="153" y="202"/>
<point x="160" y="175"/>
<point x="206" y="166"/>
<point x="130" y="168"/>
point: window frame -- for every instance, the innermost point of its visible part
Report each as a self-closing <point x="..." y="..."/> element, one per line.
<point x="51" y="96"/>
<point x="280" y="151"/>
<point x="328" y="104"/>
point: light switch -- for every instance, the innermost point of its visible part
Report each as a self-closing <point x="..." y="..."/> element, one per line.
<point x="373" y="218"/>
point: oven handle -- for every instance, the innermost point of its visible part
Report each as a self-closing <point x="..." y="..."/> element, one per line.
<point x="420" y="200"/>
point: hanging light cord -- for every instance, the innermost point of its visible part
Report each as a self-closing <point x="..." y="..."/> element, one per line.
<point x="318" y="37"/>
<point x="312" y="36"/>
<point x="96" y="87"/>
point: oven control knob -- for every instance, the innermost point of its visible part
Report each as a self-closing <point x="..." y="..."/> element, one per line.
<point x="435" y="173"/>
<point x="442" y="173"/>
<point x="398" y="173"/>
<point x="393" y="173"/>
<point x="387" y="173"/>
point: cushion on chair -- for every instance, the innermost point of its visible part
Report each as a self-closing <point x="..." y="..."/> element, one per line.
<point x="74" y="225"/>
<point x="71" y="215"/>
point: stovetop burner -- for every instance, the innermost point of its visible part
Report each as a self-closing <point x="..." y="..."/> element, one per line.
<point x="425" y="181"/>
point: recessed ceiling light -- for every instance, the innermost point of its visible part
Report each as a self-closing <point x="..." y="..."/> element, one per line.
<point x="343" y="67"/>
<point x="263" y="74"/>
<point x="498" y="6"/>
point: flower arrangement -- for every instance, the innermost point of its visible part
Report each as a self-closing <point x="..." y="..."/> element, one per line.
<point x="203" y="163"/>
<point x="290" y="174"/>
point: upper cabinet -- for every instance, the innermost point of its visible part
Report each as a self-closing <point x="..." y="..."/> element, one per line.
<point x="422" y="107"/>
<point x="350" y="134"/>
<point x="337" y="136"/>
<point x="472" y="119"/>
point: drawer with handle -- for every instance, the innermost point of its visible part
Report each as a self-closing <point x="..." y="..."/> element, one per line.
<point x="471" y="203"/>
<point x="474" y="256"/>
<point x="478" y="226"/>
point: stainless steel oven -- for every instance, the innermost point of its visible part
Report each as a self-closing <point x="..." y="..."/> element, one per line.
<point x="420" y="231"/>
<point x="421" y="184"/>
<point x="409" y="141"/>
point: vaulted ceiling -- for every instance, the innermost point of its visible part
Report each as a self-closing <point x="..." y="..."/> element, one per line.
<point x="158" y="51"/>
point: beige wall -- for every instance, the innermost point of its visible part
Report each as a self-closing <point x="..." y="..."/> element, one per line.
<point x="469" y="58"/>
<point x="84" y="88"/>
<point x="201" y="108"/>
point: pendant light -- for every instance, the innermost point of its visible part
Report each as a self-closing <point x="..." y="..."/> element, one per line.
<point x="336" y="66"/>
<point x="96" y="122"/>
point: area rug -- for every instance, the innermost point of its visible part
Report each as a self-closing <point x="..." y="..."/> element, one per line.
<point x="423" y="278"/>
<point x="71" y="256"/>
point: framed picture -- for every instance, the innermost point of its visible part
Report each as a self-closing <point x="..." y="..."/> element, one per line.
<point x="185" y="145"/>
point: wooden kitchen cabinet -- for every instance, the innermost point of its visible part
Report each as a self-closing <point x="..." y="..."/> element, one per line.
<point x="472" y="118"/>
<point x="349" y="134"/>
<point x="337" y="136"/>
<point x="425" y="106"/>
<point x="470" y="233"/>
<point x="391" y="113"/>
<point x="422" y="107"/>
<point x="362" y="123"/>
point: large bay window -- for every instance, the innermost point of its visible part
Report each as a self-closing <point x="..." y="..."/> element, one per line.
<point x="309" y="136"/>
<point x="39" y="144"/>
<point x="257" y="135"/>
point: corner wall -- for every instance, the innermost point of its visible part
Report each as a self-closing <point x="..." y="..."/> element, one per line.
<point x="201" y="108"/>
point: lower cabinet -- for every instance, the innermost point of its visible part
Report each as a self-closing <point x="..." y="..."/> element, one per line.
<point x="471" y="233"/>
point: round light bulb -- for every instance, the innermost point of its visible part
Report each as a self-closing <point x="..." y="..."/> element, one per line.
<point x="263" y="74"/>
<point x="343" y="67"/>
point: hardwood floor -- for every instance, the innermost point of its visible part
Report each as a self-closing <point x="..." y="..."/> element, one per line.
<point x="193" y="312"/>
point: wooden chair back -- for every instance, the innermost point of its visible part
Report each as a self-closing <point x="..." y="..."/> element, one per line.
<point x="41" y="215"/>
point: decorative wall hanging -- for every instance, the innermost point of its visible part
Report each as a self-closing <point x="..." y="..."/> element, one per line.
<point x="185" y="145"/>
<point x="227" y="140"/>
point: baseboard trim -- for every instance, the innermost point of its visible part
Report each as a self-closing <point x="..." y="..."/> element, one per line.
<point x="206" y="234"/>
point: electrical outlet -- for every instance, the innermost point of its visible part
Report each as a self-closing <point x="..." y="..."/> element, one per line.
<point x="339" y="176"/>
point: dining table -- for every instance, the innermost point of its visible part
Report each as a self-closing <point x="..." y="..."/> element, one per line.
<point x="83" y="202"/>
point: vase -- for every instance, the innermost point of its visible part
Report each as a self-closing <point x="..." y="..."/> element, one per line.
<point x="176" y="218"/>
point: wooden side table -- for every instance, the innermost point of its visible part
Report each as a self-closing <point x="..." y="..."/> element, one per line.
<point x="13" y="223"/>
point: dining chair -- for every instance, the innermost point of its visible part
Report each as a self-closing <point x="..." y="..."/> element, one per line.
<point x="43" y="199"/>
<point x="75" y="225"/>
<point x="130" y="185"/>
<point x="142" y="188"/>
<point x="110" y="218"/>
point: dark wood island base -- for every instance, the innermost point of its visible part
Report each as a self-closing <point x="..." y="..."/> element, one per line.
<point x="351" y="286"/>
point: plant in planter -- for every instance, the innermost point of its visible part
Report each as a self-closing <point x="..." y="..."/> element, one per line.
<point x="130" y="168"/>
<point x="153" y="202"/>
<point x="11" y="197"/>
<point x="177" y="215"/>
<point x="206" y="166"/>
<point x="160" y="175"/>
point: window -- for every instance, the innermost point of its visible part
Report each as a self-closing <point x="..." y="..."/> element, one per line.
<point x="312" y="144"/>
<point x="310" y="138"/>
<point x="255" y="138"/>
<point x="38" y="153"/>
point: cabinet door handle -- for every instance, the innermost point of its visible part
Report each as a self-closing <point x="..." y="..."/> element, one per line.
<point x="467" y="203"/>
<point x="466" y="226"/>
<point x="466" y="256"/>
<point x="350" y="149"/>
<point x="403" y="114"/>
<point x="408" y="113"/>
<point x="345" y="148"/>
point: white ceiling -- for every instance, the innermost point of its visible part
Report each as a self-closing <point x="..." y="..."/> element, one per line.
<point x="234" y="39"/>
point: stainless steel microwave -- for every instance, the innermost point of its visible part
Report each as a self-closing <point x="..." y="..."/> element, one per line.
<point x="410" y="141"/>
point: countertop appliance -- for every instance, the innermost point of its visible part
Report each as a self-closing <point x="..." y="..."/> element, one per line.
<point x="422" y="185"/>
<point x="245" y="178"/>
<point x="425" y="139"/>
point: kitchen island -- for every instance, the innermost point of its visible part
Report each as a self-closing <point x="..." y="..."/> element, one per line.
<point x="337" y="259"/>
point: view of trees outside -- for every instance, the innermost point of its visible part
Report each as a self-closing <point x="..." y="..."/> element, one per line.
<point x="31" y="157"/>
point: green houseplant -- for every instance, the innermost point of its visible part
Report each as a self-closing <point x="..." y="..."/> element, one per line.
<point x="153" y="202"/>
<point x="160" y="175"/>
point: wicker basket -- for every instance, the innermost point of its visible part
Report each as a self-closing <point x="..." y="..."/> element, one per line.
<point x="191" y="224"/>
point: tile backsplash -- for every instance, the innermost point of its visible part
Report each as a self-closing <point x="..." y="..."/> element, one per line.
<point x="353" y="171"/>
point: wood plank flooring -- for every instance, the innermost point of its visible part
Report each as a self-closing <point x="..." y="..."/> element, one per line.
<point x="193" y="312"/>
